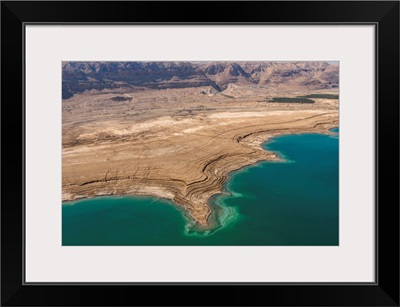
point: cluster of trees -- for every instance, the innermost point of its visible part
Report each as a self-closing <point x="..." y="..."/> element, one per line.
<point x="323" y="96"/>
<point x="291" y="100"/>
<point x="121" y="98"/>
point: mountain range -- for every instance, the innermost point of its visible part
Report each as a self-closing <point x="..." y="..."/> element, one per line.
<point x="78" y="77"/>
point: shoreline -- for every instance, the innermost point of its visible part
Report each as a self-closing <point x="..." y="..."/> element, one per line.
<point x="225" y="188"/>
<point x="213" y="220"/>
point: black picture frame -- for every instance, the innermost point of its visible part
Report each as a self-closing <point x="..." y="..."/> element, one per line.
<point x="383" y="14"/>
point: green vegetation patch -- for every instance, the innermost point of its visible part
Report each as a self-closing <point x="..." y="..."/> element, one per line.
<point x="121" y="98"/>
<point x="291" y="100"/>
<point x="324" y="96"/>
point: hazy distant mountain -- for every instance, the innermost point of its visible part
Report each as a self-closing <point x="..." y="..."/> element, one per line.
<point x="80" y="76"/>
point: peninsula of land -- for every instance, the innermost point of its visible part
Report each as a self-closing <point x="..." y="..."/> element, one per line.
<point x="181" y="141"/>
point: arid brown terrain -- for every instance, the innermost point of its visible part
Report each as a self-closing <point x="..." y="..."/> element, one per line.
<point x="181" y="142"/>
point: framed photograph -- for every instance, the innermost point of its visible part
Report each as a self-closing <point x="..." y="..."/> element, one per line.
<point x="235" y="147"/>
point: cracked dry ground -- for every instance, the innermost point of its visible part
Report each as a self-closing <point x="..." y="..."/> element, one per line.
<point x="183" y="158"/>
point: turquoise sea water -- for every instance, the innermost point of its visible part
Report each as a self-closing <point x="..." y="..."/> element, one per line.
<point x="270" y="203"/>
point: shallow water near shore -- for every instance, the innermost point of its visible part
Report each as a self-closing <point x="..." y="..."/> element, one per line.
<point x="271" y="203"/>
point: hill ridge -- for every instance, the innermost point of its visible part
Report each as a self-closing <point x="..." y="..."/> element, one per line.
<point x="78" y="77"/>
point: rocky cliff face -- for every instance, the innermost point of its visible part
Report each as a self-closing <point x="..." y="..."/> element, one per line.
<point x="80" y="76"/>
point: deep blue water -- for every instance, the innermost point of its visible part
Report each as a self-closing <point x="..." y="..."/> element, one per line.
<point x="271" y="203"/>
